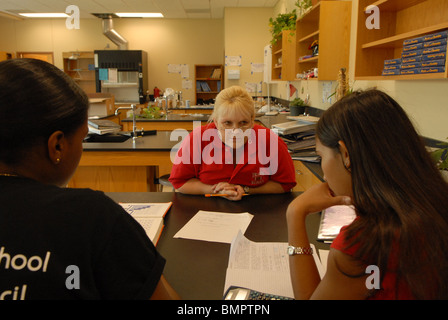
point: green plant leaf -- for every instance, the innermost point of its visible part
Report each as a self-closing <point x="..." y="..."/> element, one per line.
<point x="440" y="156"/>
<point x="283" y="21"/>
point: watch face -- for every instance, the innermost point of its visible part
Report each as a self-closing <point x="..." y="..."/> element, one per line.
<point x="290" y="250"/>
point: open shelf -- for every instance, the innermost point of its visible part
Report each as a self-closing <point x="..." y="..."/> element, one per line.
<point x="327" y="22"/>
<point x="283" y="57"/>
<point x="394" y="5"/>
<point x="211" y="77"/>
<point x="79" y="65"/>
<point x="397" y="40"/>
<point x="400" y="20"/>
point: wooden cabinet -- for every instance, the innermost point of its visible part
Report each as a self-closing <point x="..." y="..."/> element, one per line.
<point x="6" y="55"/>
<point x="283" y="57"/>
<point x="328" y="23"/>
<point x="399" y="20"/>
<point x="304" y="177"/>
<point x="80" y="67"/>
<point x="208" y="82"/>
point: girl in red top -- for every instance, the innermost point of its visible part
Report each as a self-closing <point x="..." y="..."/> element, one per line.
<point x="373" y="158"/>
<point x="232" y="155"/>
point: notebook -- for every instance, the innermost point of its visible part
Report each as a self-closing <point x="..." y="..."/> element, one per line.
<point x="333" y="219"/>
<point x="150" y="216"/>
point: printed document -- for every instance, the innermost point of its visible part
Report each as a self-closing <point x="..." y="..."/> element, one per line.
<point x="261" y="266"/>
<point x="215" y="226"/>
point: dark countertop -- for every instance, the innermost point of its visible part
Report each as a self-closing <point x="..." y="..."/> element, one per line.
<point x="194" y="108"/>
<point x="161" y="141"/>
<point x="174" y="118"/>
<point x="267" y="121"/>
<point x="197" y="269"/>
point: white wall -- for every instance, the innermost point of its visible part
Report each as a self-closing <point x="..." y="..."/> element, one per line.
<point x="246" y="33"/>
<point x="176" y="41"/>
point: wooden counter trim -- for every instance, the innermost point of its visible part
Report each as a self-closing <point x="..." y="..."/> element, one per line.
<point x="159" y="126"/>
<point x="124" y="158"/>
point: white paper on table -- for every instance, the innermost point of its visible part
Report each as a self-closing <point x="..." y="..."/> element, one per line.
<point x="215" y="226"/>
<point x="261" y="266"/>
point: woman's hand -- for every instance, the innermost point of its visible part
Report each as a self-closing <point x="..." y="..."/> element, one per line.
<point x="234" y="192"/>
<point x="315" y="199"/>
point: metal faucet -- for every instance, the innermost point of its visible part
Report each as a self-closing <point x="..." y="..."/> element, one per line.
<point x="133" y="107"/>
<point x="180" y="101"/>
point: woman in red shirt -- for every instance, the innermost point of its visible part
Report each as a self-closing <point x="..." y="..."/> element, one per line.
<point x="373" y="158"/>
<point x="232" y="155"/>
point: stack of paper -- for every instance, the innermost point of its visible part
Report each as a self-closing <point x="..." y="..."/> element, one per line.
<point x="304" y="118"/>
<point x="103" y="126"/>
<point x="150" y="216"/>
<point x="302" y="144"/>
<point x="293" y="127"/>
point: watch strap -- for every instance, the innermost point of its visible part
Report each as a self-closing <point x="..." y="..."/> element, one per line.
<point x="299" y="250"/>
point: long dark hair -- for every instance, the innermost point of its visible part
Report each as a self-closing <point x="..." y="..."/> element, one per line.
<point x="398" y="193"/>
<point x="36" y="99"/>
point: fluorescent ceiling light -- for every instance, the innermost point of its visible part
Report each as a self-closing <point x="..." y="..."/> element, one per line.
<point x="44" y="15"/>
<point x="139" y="14"/>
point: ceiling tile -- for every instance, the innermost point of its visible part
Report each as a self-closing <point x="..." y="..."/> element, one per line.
<point x="195" y="4"/>
<point x="113" y="6"/>
<point x="251" y="3"/>
<point x="141" y="5"/>
<point x="199" y="15"/>
<point x="174" y="9"/>
<point x="270" y="3"/>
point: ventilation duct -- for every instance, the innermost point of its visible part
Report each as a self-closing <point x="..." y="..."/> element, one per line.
<point x="110" y="32"/>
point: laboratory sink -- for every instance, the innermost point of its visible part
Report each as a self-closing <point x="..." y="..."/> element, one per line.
<point x="110" y="137"/>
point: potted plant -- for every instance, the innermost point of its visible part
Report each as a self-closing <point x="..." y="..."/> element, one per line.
<point x="440" y="157"/>
<point x="303" y="6"/>
<point x="295" y="106"/>
<point x="284" y="21"/>
<point x="343" y="88"/>
<point x="152" y="112"/>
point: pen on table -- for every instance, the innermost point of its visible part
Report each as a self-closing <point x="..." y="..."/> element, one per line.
<point x="221" y="194"/>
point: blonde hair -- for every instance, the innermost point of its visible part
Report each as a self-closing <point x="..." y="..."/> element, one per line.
<point x="233" y="100"/>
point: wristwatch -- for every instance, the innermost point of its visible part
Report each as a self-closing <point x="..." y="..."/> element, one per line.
<point x="299" y="250"/>
<point x="246" y="189"/>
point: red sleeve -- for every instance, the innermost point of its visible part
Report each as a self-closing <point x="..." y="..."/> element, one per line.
<point x="183" y="167"/>
<point x="340" y="244"/>
<point x="285" y="174"/>
<point x="281" y="166"/>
